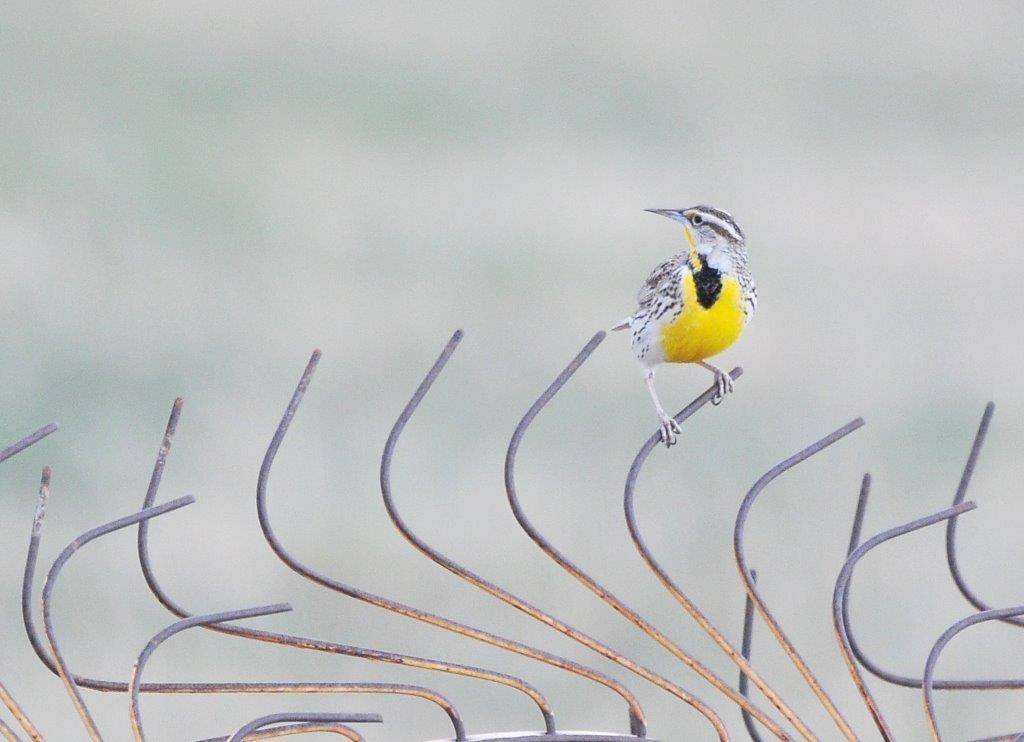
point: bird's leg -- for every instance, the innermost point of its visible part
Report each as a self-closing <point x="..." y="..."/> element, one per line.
<point x="723" y="381"/>
<point x="669" y="427"/>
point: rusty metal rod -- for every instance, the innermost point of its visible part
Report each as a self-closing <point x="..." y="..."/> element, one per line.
<point x="873" y="667"/>
<point x="19" y="715"/>
<point x="5" y="696"/>
<point x="119" y="687"/>
<point x="490" y="587"/>
<point x="636" y="714"/>
<point x="933" y="656"/>
<point x="205" y="688"/>
<point x="961" y="491"/>
<point x="135" y="678"/>
<point x="186" y="687"/>
<point x="840" y="609"/>
<point x="51" y="581"/>
<point x="7" y="733"/>
<point x="629" y="505"/>
<point x="591" y="584"/>
<point x="305" y="642"/>
<point x="748" y="583"/>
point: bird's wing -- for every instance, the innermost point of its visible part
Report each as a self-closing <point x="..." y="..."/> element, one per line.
<point x="663" y="279"/>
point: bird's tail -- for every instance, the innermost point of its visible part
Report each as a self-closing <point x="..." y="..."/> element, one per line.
<point x="624" y="325"/>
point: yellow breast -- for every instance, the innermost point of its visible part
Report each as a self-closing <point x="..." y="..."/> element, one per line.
<point x="699" y="333"/>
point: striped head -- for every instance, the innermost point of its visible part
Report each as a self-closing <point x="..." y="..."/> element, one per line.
<point x="712" y="233"/>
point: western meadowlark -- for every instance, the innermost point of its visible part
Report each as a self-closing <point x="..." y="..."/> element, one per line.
<point x="695" y="304"/>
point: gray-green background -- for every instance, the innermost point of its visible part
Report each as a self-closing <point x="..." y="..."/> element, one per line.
<point x="195" y="195"/>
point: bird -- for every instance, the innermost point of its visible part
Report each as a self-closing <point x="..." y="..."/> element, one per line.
<point x="695" y="304"/>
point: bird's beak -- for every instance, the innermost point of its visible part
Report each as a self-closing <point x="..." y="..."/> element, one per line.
<point x="674" y="214"/>
<point x="679" y="216"/>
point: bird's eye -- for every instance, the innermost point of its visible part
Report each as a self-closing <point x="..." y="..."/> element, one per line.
<point x="696" y="220"/>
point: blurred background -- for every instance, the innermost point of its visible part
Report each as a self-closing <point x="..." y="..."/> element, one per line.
<point x="195" y="196"/>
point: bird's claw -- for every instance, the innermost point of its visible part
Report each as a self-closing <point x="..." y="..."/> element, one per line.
<point x="723" y="385"/>
<point x="669" y="430"/>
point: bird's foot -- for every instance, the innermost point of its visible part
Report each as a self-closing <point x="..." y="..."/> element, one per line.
<point x="669" y="430"/>
<point x="724" y="385"/>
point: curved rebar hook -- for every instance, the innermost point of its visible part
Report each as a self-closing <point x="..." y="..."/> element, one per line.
<point x="629" y="505"/>
<point x="135" y="678"/>
<point x="60" y="665"/>
<point x="263" y="721"/>
<point x="637" y="723"/>
<point x="748" y="583"/>
<point x="20" y="716"/>
<point x="616" y="603"/>
<point x="5" y="696"/>
<point x="995" y="614"/>
<point x="869" y="664"/>
<point x="961" y="492"/>
<point x="51" y="580"/>
<point x="380" y="602"/>
<point x="233" y="687"/>
<point x="287" y="640"/>
<point x="490" y="587"/>
<point x="840" y="609"/>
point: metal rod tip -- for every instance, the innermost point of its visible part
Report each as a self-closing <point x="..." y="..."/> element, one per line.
<point x="269" y="610"/>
